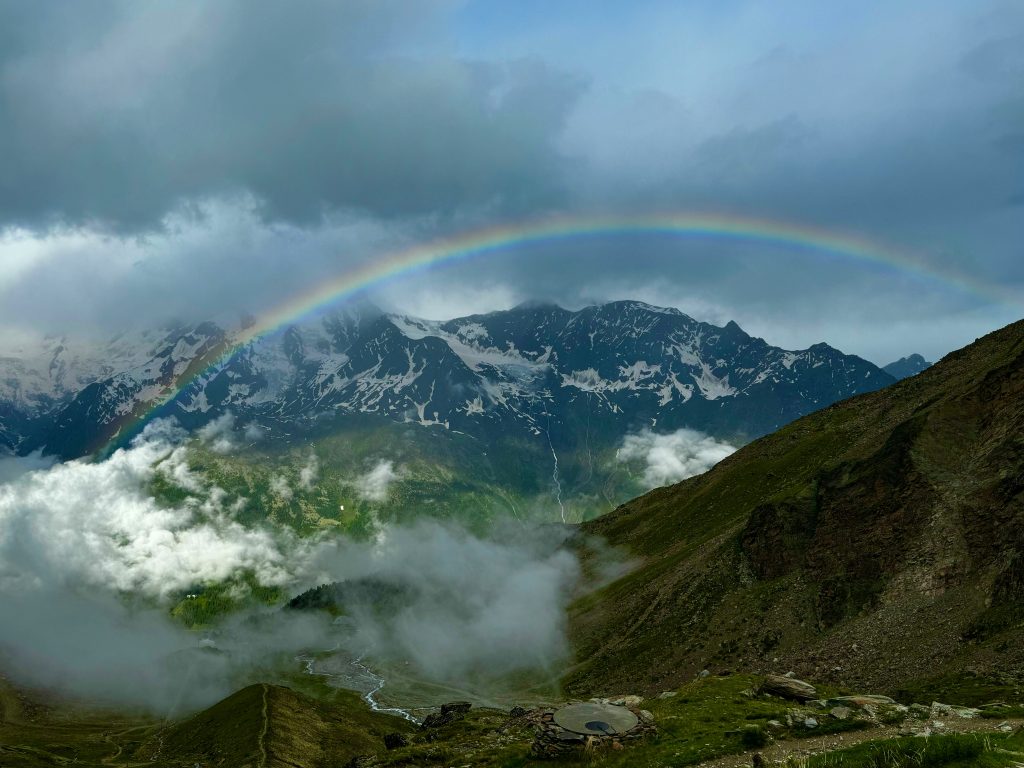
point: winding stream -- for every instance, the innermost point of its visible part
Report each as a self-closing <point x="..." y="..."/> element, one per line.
<point x="358" y="683"/>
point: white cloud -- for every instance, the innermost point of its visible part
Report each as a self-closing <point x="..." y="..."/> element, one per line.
<point x="96" y="525"/>
<point x="219" y="433"/>
<point x="672" y="457"/>
<point x="308" y="474"/>
<point x="253" y="432"/>
<point x="279" y="487"/>
<point x="374" y="485"/>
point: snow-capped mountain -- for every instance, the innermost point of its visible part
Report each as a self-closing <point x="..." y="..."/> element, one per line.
<point x="535" y="371"/>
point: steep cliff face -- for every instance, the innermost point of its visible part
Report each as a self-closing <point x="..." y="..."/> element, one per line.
<point x="877" y="542"/>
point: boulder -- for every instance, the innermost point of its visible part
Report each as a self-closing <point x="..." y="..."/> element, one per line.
<point x="788" y="688"/>
<point x="395" y="741"/>
<point x="459" y="707"/>
<point x="841" y="713"/>
<point x="810" y="722"/>
<point x="450" y="713"/>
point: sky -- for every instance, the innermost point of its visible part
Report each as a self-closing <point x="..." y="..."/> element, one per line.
<point x="187" y="160"/>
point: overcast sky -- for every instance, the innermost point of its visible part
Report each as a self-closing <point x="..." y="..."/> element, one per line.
<point x="189" y="159"/>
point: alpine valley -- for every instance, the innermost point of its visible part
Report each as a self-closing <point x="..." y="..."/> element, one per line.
<point x="521" y="411"/>
<point x="871" y="548"/>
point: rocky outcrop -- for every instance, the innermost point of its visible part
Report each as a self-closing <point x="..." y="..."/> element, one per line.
<point x="450" y="713"/>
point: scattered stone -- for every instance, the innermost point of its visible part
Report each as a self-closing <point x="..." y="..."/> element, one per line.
<point x="951" y="710"/>
<point x="702" y="674"/>
<point x="395" y="741"/>
<point x="667" y="694"/>
<point x="790" y="675"/>
<point x="621" y="701"/>
<point x="1005" y="727"/>
<point x="810" y="722"/>
<point x="788" y="688"/>
<point x="775" y="725"/>
<point x="841" y="713"/>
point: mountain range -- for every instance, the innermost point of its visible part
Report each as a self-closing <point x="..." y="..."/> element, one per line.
<point x="535" y="371"/>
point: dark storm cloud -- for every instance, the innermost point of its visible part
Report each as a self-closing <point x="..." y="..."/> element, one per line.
<point x="117" y="112"/>
<point x="243" y="152"/>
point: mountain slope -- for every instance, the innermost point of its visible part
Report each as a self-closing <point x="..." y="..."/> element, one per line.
<point x="272" y="726"/>
<point x="876" y="542"/>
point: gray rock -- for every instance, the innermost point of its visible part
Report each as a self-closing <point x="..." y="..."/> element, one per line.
<point x="459" y="707"/>
<point x="451" y="712"/>
<point x="788" y="688"/>
<point x="667" y="694"/>
<point x="810" y="722"/>
<point x="841" y="713"/>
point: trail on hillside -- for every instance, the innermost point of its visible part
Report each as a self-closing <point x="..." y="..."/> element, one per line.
<point x="836" y="741"/>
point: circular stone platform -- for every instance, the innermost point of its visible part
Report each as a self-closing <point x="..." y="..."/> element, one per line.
<point x="596" y="719"/>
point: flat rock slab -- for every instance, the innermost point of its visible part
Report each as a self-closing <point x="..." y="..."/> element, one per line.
<point x="592" y="719"/>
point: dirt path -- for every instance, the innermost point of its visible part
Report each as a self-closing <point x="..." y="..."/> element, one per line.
<point x="261" y="741"/>
<point x="815" y="745"/>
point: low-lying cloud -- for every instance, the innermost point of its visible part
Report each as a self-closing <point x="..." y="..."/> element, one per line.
<point x="669" y="458"/>
<point x="374" y="485"/>
<point x="98" y="525"/>
<point x="476" y="608"/>
<point x="91" y="562"/>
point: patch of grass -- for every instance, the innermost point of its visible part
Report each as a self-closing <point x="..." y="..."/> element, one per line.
<point x="754" y="736"/>
<point x="708" y="718"/>
<point x="965" y="689"/>
<point x="946" y="751"/>
<point x="828" y="725"/>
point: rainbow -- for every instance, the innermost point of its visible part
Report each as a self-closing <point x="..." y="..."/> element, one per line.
<point x="416" y="259"/>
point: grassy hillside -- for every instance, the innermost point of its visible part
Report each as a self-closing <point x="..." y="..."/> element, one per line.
<point x="877" y="542"/>
<point x="271" y="726"/>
